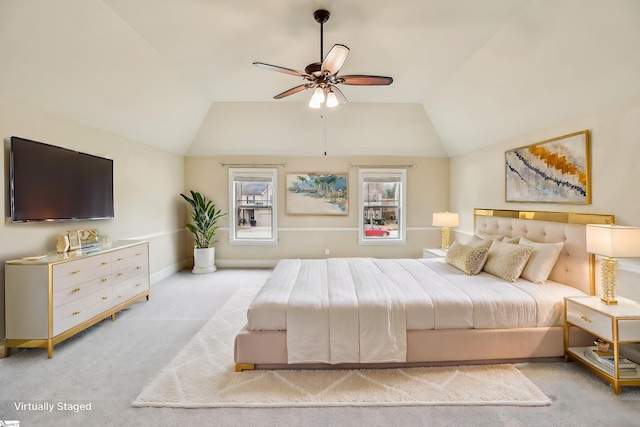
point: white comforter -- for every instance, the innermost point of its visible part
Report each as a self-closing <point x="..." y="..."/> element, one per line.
<point x="357" y="310"/>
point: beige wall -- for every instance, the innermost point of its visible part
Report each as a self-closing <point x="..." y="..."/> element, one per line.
<point x="307" y="236"/>
<point x="146" y="184"/>
<point x="477" y="178"/>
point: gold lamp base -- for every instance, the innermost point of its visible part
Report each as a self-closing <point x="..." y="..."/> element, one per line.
<point x="446" y="232"/>
<point x="609" y="280"/>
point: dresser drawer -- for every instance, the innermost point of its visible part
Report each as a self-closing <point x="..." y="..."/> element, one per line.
<point x="97" y="266"/>
<point x="129" y="257"/>
<point x="82" y="290"/>
<point x="589" y="320"/>
<point x="69" y="274"/>
<point x="128" y="289"/>
<point x="99" y="303"/>
<point x="69" y="315"/>
<point x="130" y="272"/>
<point x="74" y="313"/>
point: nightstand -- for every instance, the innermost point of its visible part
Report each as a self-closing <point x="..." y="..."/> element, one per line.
<point x="434" y="253"/>
<point x="616" y="324"/>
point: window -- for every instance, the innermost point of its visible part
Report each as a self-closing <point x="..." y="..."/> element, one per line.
<point x="252" y="196"/>
<point x="382" y="206"/>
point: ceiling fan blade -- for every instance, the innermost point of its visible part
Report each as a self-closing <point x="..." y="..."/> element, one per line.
<point x="279" y="69"/>
<point x="339" y="95"/>
<point x="290" y="91"/>
<point x="365" y="80"/>
<point x="335" y="58"/>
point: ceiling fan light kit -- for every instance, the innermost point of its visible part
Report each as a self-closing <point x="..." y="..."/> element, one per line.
<point x="323" y="76"/>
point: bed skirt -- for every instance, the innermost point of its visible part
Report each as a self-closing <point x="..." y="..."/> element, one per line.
<point x="268" y="349"/>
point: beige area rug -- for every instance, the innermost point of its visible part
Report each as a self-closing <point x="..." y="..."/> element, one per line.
<point x="203" y="375"/>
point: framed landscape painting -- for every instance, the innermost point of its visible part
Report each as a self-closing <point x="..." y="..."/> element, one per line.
<point x="552" y="171"/>
<point x="317" y="193"/>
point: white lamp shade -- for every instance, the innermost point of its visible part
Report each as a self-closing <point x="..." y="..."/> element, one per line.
<point x="313" y="103"/>
<point x="446" y="219"/>
<point x="332" y="100"/>
<point x="613" y="241"/>
<point x="318" y="95"/>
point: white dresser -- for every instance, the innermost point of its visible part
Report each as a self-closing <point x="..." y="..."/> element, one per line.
<point x="51" y="299"/>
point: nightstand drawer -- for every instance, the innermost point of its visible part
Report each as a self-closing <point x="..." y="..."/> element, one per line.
<point x="589" y="320"/>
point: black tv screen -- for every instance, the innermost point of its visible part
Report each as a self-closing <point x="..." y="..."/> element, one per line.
<point x="50" y="183"/>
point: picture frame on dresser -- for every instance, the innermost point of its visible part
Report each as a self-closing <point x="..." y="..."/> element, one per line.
<point x="74" y="239"/>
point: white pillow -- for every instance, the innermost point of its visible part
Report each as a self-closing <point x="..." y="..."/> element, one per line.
<point x="542" y="259"/>
<point x="478" y="242"/>
<point x="488" y="236"/>
<point x="467" y="258"/>
<point x="507" y="260"/>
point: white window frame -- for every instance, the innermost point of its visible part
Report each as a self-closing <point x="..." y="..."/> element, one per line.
<point x="268" y="174"/>
<point x="400" y="174"/>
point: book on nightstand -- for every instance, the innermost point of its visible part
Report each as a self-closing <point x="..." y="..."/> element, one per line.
<point x="604" y="360"/>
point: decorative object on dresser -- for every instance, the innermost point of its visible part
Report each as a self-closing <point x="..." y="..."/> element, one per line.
<point x="205" y="224"/>
<point x="74" y="240"/>
<point x="62" y="244"/>
<point x="446" y="220"/>
<point x="618" y="325"/>
<point x="556" y="170"/>
<point x="51" y="298"/>
<point x="612" y="241"/>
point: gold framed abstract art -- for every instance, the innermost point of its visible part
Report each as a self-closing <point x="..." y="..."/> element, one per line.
<point x="552" y="171"/>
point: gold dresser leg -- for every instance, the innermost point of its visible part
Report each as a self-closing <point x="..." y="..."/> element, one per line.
<point x="244" y="367"/>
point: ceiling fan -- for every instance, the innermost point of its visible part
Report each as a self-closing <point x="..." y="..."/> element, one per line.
<point x="323" y="76"/>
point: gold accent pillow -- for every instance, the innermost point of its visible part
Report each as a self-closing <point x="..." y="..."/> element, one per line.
<point x="467" y="258"/>
<point x="507" y="260"/>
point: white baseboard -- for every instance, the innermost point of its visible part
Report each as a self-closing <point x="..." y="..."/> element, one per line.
<point x="168" y="271"/>
<point x="246" y="263"/>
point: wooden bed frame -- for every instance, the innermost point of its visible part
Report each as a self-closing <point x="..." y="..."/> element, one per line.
<point x="575" y="267"/>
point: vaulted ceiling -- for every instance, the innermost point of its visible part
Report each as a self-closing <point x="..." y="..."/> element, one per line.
<point x="178" y="74"/>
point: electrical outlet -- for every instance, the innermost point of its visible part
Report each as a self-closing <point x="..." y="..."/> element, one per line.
<point x="327" y="251"/>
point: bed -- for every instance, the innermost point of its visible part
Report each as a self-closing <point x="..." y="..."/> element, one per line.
<point x="365" y="312"/>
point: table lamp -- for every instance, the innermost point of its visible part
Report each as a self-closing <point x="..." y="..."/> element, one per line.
<point x="446" y="220"/>
<point x="612" y="242"/>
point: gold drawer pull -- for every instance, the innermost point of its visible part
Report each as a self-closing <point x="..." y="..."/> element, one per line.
<point x="75" y="313"/>
<point x="73" y="291"/>
<point x="586" y="319"/>
<point x="75" y="272"/>
<point x="120" y="259"/>
<point x="104" y="279"/>
<point x="104" y="263"/>
<point x="139" y="253"/>
<point x="138" y="284"/>
<point x="105" y="298"/>
<point x="138" y="268"/>
<point x="119" y="274"/>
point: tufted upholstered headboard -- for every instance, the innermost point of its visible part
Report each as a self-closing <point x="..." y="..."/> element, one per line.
<point x="575" y="266"/>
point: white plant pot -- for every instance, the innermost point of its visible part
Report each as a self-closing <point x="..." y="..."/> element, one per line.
<point x="204" y="260"/>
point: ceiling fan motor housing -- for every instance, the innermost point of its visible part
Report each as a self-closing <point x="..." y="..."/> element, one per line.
<point x="321" y="16"/>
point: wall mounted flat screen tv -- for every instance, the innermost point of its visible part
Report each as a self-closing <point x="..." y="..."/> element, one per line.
<point x="50" y="183"/>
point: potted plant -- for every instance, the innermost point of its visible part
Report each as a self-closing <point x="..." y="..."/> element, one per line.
<point x="205" y="218"/>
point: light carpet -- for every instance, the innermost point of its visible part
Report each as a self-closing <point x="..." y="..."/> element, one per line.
<point x="203" y="375"/>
